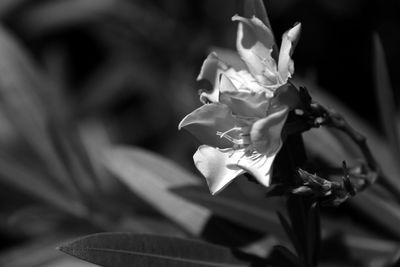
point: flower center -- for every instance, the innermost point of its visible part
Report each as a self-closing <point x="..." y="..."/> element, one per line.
<point x="239" y="136"/>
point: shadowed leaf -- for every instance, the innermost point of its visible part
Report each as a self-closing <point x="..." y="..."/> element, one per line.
<point x="238" y="210"/>
<point x="383" y="212"/>
<point x="282" y="256"/>
<point x="23" y="86"/>
<point x="385" y="97"/>
<point x="8" y="6"/>
<point x="289" y="231"/>
<point x="54" y="15"/>
<point x="124" y="249"/>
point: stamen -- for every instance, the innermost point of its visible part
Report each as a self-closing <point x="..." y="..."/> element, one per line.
<point x="222" y="134"/>
<point x="226" y="135"/>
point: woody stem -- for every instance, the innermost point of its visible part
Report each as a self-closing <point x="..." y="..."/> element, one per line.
<point x="332" y="118"/>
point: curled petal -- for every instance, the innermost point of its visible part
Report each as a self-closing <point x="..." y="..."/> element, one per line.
<point x="254" y="44"/>
<point x="209" y="78"/>
<point x="217" y="166"/>
<point x="265" y="133"/>
<point x="289" y="41"/>
<point x="256" y="8"/>
<point x="206" y="121"/>
<point x="211" y="81"/>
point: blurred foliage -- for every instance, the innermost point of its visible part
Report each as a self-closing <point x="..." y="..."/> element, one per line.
<point x="79" y="76"/>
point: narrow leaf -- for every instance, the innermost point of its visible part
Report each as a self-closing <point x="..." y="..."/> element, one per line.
<point x="170" y="173"/>
<point x="32" y="183"/>
<point x="125" y="249"/>
<point x="150" y="181"/>
<point x="23" y="88"/>
<point x="382" y="212"/>
<point x="54" y="15"/>
<point x="8" y="6"/>
<point x="313" y="234"/>
<point x="239" y="210"/>
<point x="331" y="146"/>
<point x="284" y="257"/>
<point x="289" y="231"/>
<point x="385" y="97"/>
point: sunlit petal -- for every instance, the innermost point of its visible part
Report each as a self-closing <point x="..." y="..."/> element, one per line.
<point x="226" y="85"/>
<point x="254" y="44"/>
<point x="244" y="81"/>
<point x="217" y="166"/>
<point x="289" y="41"/>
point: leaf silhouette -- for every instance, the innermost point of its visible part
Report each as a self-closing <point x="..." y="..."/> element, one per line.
<point x="126" y="249"/>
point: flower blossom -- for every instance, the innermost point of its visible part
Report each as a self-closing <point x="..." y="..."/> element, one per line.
<point x="241" y="121"/>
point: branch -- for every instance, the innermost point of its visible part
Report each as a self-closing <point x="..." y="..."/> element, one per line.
<point x="331" y="118"/>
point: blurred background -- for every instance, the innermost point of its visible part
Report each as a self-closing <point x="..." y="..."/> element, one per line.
<point x="80" y="75"/>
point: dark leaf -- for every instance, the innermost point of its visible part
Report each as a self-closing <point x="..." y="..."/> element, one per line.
<point x="289" y="231"/>
<point x="385" y="213"/>
<point x="297" y="210"/>
<point x="23" y="86"/>
<point x="385" y="97"/>
<point x="282" y="256"/>
<point x="125" y="249"/>
<point x="31" y="182"/>
<point x="238" y="210"/>
<point x="314" y="233"/>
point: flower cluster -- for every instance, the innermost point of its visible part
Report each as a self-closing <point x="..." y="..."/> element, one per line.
<point x="241" y="121"/>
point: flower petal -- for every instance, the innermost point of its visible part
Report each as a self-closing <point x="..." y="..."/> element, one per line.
<point x="254" y="44"/>
<point x="286" y="95"/>
<point x="244" y="81"/>
<point x="206" y="121"/>
<point x="226" y="85"/>
<point x="209" y="78"/>
<point x="246" y="104"/>
<point x="217" y="166"/>
<point x="289" y="41"/>
<point x="265" y="133"/>
<point x="260" y="168"/>
<point x="256" y="8"/>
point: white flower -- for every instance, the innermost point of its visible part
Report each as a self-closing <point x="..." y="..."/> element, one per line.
<point x="243" y="114"/>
